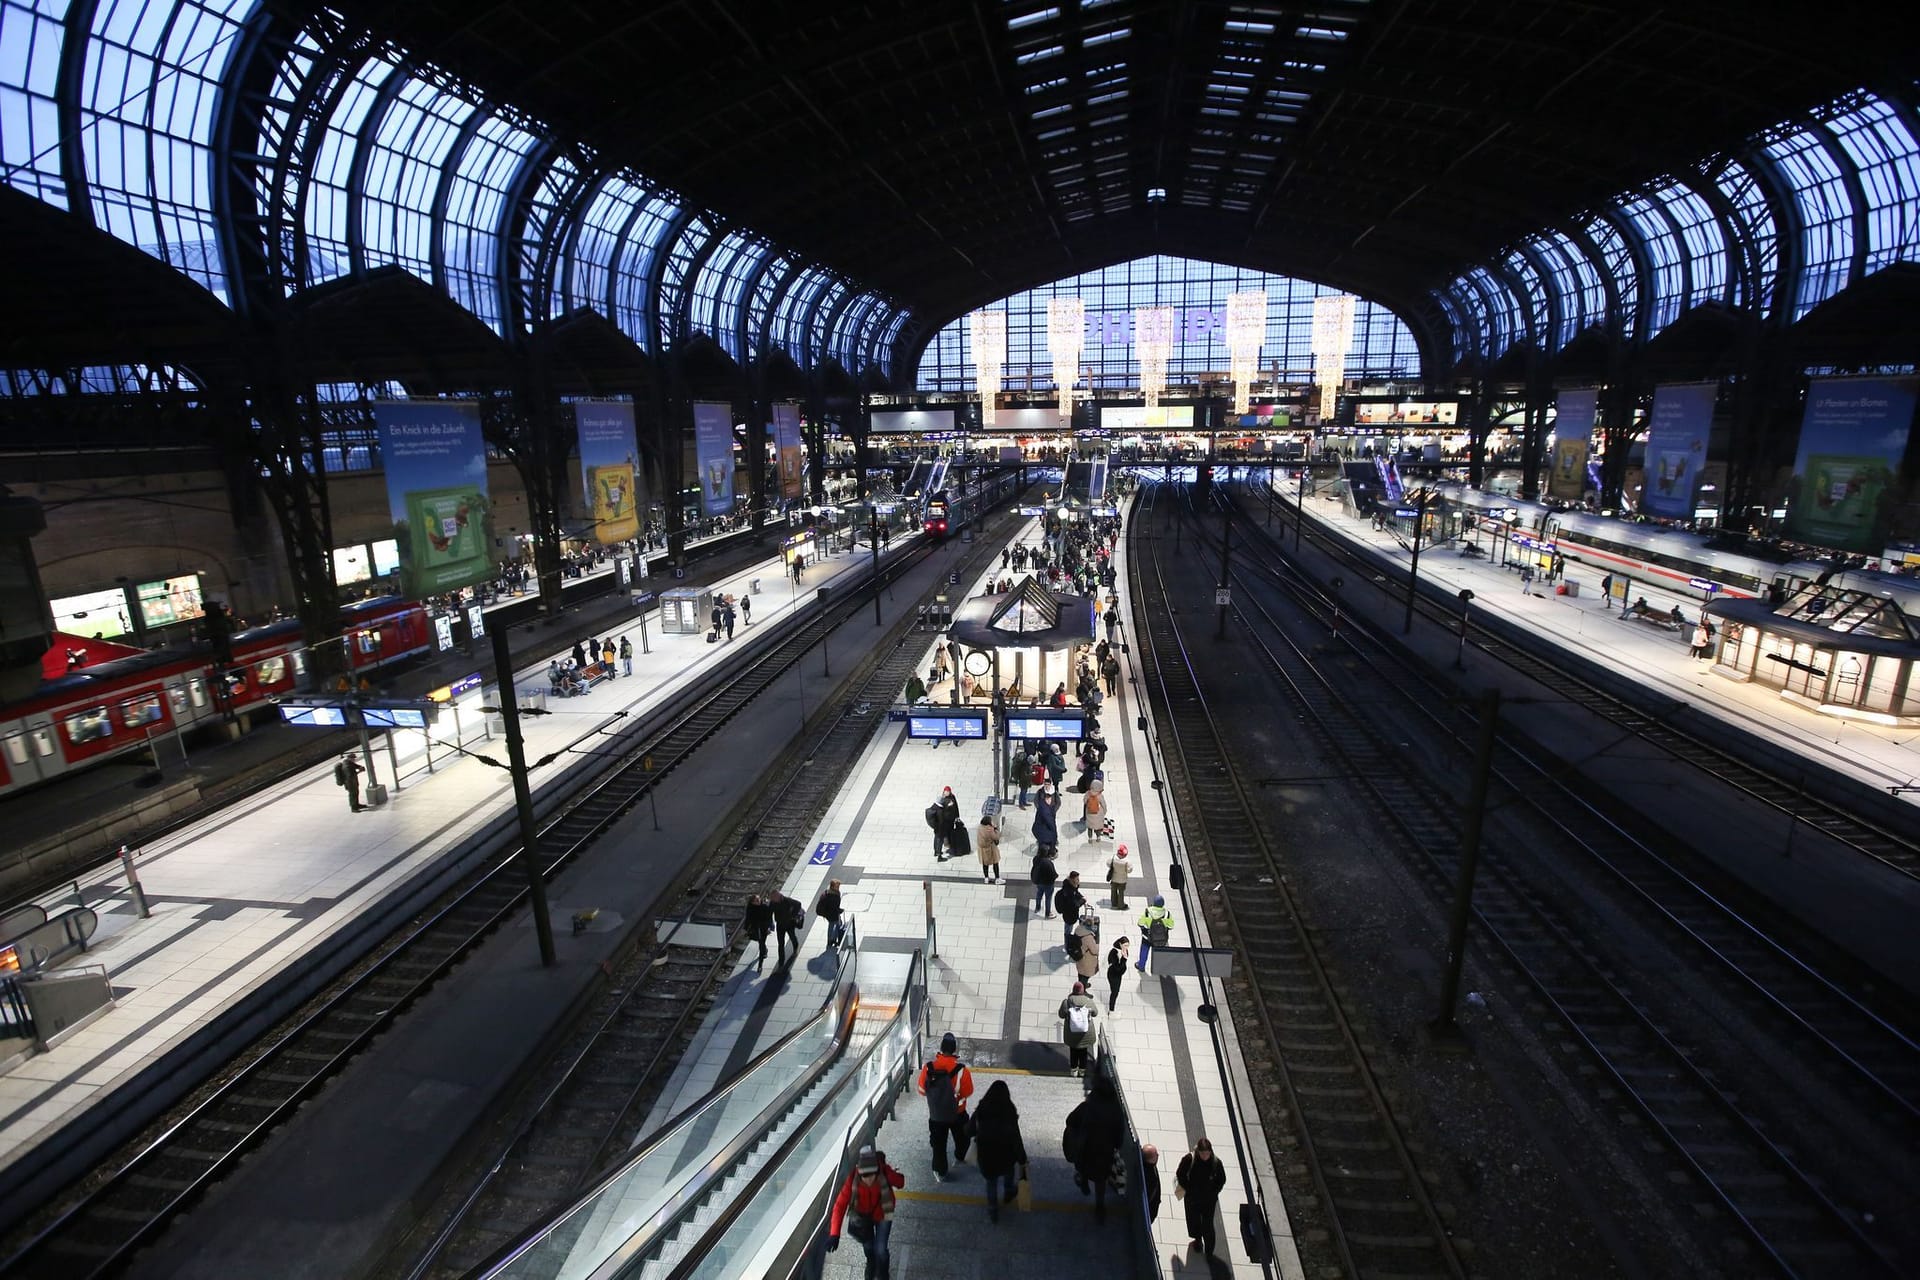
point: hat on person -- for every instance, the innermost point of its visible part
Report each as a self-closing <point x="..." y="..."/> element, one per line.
<point x="948" y="1044"/>
<point x="946" y="791"/>
<point x="1121" y="851"/>
<point x="1159" y="901"/>
<point x="1079" y="988"/>
<point x="868" y="1160"/>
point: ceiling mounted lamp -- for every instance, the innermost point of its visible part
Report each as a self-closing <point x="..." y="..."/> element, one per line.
<point x="1066" y="331"/>
<point x="989" y="333"/>
<point x="1153" y="342"/>
<point x="1332" y="339"/>
<point x="1246" y="331"/>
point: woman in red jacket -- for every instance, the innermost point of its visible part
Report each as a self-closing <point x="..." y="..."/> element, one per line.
<point x="868" y="1193"/>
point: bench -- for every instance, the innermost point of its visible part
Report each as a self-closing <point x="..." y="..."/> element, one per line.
<point x="1660" y="620"/>
<point x="594" y="672"/>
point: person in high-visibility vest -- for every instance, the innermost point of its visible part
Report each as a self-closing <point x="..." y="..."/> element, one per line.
<point x="1156" y="923"/>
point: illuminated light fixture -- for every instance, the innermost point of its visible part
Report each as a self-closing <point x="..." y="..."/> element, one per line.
<point x="989" y="332"/>
<point x="1066" y="330"/>
<point x="1246" y="331"/>
<point x="1332" y="339"/>
<point x="1153" y="343"/>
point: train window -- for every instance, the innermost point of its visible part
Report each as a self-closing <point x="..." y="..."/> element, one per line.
<point x="17" y="748"/>
<point x="135" y="712"/>
<point x="90" y="725"/>
<point x="272" y="670"/>
<point x="178" y="697"/>
<point x="367" y="641"/>
<point x="197" y="690"/>
<point x="43" y="741"/>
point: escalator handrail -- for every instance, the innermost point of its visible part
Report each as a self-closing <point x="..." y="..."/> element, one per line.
<point x="839" y="1007"/>
<point x="913" y="1006"/>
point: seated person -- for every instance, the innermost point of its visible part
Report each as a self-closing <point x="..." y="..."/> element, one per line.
<point x="1676" y="617"/>
<point x="1640" y="608"/>
<point x="556" y="677"/>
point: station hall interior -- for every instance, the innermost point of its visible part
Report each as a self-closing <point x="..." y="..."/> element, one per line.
<point x="1261" y="638"/>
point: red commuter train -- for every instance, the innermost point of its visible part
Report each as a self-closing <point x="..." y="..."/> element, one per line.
<point x="108" y="709"/>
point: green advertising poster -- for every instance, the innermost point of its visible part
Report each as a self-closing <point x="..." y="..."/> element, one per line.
<point x="436" y="463"/>
<point x="1852" y="439"/>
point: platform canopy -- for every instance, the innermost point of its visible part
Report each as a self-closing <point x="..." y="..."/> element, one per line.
<point x="1031" y="616"/>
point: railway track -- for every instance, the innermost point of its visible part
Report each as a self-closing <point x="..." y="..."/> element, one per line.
<point x="1897" y="849"/>
<point x="111" y="1221"/>
<point x="1784" y="1209"/>
<point x="1374" y="1203"/>
<point x="590" y="1115"/>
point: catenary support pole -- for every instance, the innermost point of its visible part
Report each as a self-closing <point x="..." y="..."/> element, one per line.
<point x="522" y="797"/>
<point x="1476" y="814"/>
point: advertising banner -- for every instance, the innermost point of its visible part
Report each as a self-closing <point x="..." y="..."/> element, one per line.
<point x="713" y="443"/>
<point x="607" y="468"/>
<point x="437" y="493"/>
<point x="786" y="445"/>
<point x="891" y="421"/>
<point x="1677" y="447"/>
<point x="1852" y="439"/>
<point x="1572" y="438"/>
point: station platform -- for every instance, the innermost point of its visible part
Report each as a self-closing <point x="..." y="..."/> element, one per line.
<point x="1881" y="757"/>
<point x="240" y="898"/>
<point x="998" y="974"/>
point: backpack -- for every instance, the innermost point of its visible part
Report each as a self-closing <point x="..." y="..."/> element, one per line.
<point x="1039" y="773"/>
<point x="1157" y="931"/>
<point x="792" y="914"/>
<point x="933" y="816"/>
<point x="340" y="772"/>
<point x="957" y="839"/>
<point x="1043" y="872"/>
<point x="1079" y="1021"/>
<point x="942" y="1103"/>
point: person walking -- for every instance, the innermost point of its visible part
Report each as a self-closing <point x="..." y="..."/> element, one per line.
<point x="1703" y="637"/>
<point x="1083" y="945"/>
<point x="347" y="774"/>
<point x="1156" y="923"/>
<point x="941" y="815"/>
<point x="1110" y="671"/>
<point x="1119" y="870"/>
<point x="987" y="844"/>
<point x="1020" y="772"/>
<point x="998" y="1148"/>
<point x="828" y="909"/>
<point x="1077" y="1013"/>
<point x="626" y="656"/>
<point x="1150" y="1178"/>
<point x="727" y="617"/>
<point x="1046" y="826"/>
<point x="1198" y="1182"/>
<point x="865" y="1208"/>
<point x="946" y="1084"/>
<point x="1116" y="970"/>
<point x="746" y="610"/>
<point x="789" y="917"/>
<point x="1090" y="1141"/>
<point x="1043" y="876"/>
<point x="758" y="923"/>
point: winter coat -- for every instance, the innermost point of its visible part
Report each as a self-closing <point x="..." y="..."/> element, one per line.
<point x="949" y="814"/>
<point x="1046" y="829"/>
<point x="1089" y="962"/>
<point x="1069" y="900"/>
<point x="1078" y="1039"/>
<point x="829" y="906"/>
<point x="1101" y="1127"/>
<point x="987" y="844"/>
<point x="1118" y="870"/>
<point x="875" y="1202"/>
<point x="1043" y="871"/>
<point x="1204" y="1181"/>
<point x="996" y="1133"/>
<point x="759" y="922"/>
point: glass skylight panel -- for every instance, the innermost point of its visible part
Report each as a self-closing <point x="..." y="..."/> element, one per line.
<point x="1883" y="150"/>
<point x="590" y="255"/>
<point x="472" y="227"/>
<point x="1105" y="37"/>
<point x="1047" y="113"/>
<point x="1250" y="28"/>
<point x="1028" y="19"/>
<point x="1826" y="215"/>
<point x="1058" y="82"/>
<point x="1760" y="233"/>
<point x="1319" y="33"/>
<point x="1048" y="52"/>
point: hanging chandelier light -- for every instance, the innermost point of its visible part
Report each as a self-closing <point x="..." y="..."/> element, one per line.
<point x="1066" y="330"/>
<point x="1332" y="338"/>
<point x="1246" y="331"/>
<point x="1153" y="343"/>
<point x="989" y="333"/>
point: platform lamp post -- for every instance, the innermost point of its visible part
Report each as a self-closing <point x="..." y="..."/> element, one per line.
<point x="522" y="795"/>
<point x="1413" y="570"/>
<point x="1460" y="657"/>
<point x="1226" y="553"/>
<point x="873" y="534"/>
<point x="1300" y="496"/>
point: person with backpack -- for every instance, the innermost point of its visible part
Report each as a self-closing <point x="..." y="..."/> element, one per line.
<point x="1043" y="876"/>
<point x="988" y="841"/>
<point x="828" y="909"/>
<point x="865" y="1208"/>
<point x="1119" y="870"/>
<point x="1046" y="827"/>
<point x="789" y="917"/>
<point x="1068" y="900"/>
<point x="946" y="1084"/>
<point x="999" y="1150"/>
<point x="626" y="656"/>
<point x="1056" y="764"/>
<point x="1156" y="923"/>
<point x="1077" y="1013"/>
<point x="1083" y="944"/>
<point x="942" y="814"/>
<point x="347" y="774"/>
<point x="1020" y="773"/>
<point x="758" y="923"/>
<point x="1091" y="1143"/>
<point x="1116" y="970"/>
<point x="1093" y="808"/>
<point x="746" y="610"/>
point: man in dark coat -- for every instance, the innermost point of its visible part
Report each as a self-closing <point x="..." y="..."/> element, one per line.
<point x="759" y="923"/>
<point x="1068" y="900"/>
<point x="1093" y="1134"/>
<point x="1203" y="1178"/>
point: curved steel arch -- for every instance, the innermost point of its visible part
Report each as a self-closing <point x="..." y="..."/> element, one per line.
<point x="76" y="37"/>
<point x="751" y="351"/>
<point x="1789" y="231"/>
<point x="363" y="147"/>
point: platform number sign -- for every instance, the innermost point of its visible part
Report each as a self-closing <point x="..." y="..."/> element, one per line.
<point x="1223" y="596"/>
<point x="824" y="853"/>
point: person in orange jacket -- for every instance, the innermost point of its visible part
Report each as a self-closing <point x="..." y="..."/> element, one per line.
<point x="946" y="1084"/>
<point x="868" y="1192"/>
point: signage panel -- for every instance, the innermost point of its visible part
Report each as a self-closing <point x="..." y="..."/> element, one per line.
<point x="713" y="447"/>
<point x="436" y="464"/>
<point x="1846" y="475"/>
<point x="954" y="726"/>
<point x="1677" y="447"/>
<point x="608" y="470"/>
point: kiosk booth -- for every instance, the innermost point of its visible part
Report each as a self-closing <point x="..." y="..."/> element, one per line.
<point x="686" y="611"/>
<point x="1840" y="652"/>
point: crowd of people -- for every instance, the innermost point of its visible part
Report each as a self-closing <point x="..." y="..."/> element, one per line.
<point x="571" y="674"/>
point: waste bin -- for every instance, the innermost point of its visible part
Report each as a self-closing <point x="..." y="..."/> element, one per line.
<point x="1571" y="587"/>
<point x="376" y="794"/>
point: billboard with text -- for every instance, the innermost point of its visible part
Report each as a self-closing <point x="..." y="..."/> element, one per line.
<point x="1677" y="432"/>
<point x="436" y="462"/>
<point x="713" y="448"/>
<point x="1852" y="439"/>
<point x="609" y="467"/>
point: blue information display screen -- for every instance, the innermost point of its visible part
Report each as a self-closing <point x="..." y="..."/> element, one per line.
<point x="395" y="718"/>
<point x="947" y="726"/>
<point x="330" y="717"/>
<point x="1039" y="727"/>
